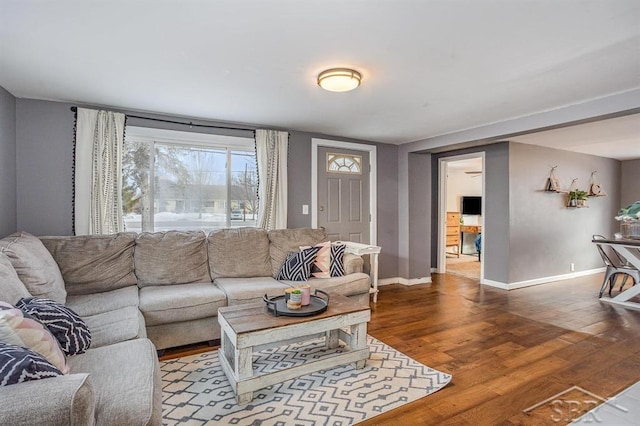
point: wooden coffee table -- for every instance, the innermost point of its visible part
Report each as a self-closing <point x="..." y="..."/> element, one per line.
<point x="250" y="328"/>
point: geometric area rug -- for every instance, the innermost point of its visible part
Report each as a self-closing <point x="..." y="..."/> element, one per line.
<point x="195" y="390"/>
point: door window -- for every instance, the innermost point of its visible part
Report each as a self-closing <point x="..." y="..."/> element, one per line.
<point x="343" y="163"/>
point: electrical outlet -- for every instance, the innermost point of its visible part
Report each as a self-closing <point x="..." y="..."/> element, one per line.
<point x="572" y="267"/>
<point x="305" y="209"/>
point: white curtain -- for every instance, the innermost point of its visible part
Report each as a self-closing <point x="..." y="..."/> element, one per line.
<point x="98" y="172"/>
<point x="271" y="152"/>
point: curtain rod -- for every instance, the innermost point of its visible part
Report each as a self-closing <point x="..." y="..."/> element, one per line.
<point x="190" y="124"/>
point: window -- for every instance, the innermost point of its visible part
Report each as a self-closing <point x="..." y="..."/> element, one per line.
<point x="342" y="163"/>
<point x="187" y="181"/>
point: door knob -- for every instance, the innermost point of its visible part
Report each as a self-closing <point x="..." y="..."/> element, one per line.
<point x="321" y="208"/>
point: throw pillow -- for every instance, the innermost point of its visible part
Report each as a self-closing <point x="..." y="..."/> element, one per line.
<point x="321" y="268"/>
<point x="330" y="260"/>
<point x="67" y="327"/>
<point x="284" y="241"/>
<point x="17" y="328"/>
<point x="337" y="260"/>
<point x="11" y="288"/>
<point x="18" y="364"/>
<point x="297" y="266"/>
<point x="35" y="266"/>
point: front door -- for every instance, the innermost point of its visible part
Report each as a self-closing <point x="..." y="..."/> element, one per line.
<point x="343" y="194"/>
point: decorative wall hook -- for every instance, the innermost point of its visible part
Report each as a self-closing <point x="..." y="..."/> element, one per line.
<point x="595" y="188"/>
<point x="553" y="183"/>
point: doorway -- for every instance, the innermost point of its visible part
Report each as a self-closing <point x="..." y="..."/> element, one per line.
<point x="461" y="191"/>
<point x="343" y="198"/>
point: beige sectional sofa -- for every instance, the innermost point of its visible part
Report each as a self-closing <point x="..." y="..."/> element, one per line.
<point x="147" y="291"/>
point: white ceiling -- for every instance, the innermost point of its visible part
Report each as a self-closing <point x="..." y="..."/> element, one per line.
<point x="430" y="67"/>
<point x="614" y="138"/>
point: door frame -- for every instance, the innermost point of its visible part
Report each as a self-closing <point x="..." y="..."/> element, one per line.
<point x="442" y="209"/>
<point x="373" y="186"/>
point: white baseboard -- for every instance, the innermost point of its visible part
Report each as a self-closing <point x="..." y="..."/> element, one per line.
<point x="543" y="280"/>
<point x="404" y="281"/>
<point x="497" y="284"/>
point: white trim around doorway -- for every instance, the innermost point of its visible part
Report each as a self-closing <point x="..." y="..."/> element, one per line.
<point x="442" y="209"/>
<point x="373" y="186"/>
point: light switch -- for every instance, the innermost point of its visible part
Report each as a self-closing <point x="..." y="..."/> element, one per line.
<point x="305" y="209"/>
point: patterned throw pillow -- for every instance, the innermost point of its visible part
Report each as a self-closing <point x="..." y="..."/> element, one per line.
<point x="321" y="267"/>
<point x="18" y="364"/>
<point x="68" y="328"/>
<point x="19" y="329"/>
<point x="297" y="266"/>
<point x="337" y="260"/>
<point x="330" y="260"/>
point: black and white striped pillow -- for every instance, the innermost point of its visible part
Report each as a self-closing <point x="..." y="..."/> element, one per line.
<point x="67" y="327"/>
<point x="337" y="260"/>
<point x="18" y="364"/>
<point x="297" y="266"/>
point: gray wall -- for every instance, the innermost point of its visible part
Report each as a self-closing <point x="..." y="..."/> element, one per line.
<point x="300" y="193"/>
<point x="420" y="202"/>
<point x="8" y="214"/>
<point x="545" y="235"/>
<point x="578" y="113"/>
<point x="44" y="146"/>
<point x="44" y="140"/>
<point x="388" y="209"/>
<point x="528" y="233"/>
<point x="495" y="232"/>
<point x="630" y="182"/>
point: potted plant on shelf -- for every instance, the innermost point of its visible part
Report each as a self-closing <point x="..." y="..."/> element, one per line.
<point x="578" y="198"/>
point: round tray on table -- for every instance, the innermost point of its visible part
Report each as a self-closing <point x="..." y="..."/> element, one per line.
<point x="278" y="305"/>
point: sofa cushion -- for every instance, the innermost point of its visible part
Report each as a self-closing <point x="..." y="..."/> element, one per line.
<point x="297" y="266"/>
<point x="94" y="263"/>
<point x="239" y="253"/>
<point x="249" y="290"/>
<point x="64" y="400"/>
<point x="348" y="285"/>
<point x="115" y="326"/>
<point x="98" y="303"/>
<point x="352" y="263"/>
<point x="285" y="241"/>
<point x="171" y="257"/>
<point x="133" y="396"/>
<point x="11" y="288"/>
<point x="181" y="302"/>
<point x="18" y="328"/>
<point x="182" y="333"/>
<point x="18" y="364"/>
<point x="35" y="266"/>
<point x="67" y="327"/>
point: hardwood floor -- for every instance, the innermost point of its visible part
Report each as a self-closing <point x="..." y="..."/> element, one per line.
<point x="506" y="350"/>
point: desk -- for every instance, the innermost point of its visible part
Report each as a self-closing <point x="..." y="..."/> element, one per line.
<point x="469" y="229"/>
<point x="630" y="251"/>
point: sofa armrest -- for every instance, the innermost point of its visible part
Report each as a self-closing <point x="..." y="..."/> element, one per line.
<point x="352" y="263"/>
<point x="62" y="400"/>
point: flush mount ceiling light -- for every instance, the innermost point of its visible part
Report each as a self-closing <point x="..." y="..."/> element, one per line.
<point x="339" y="79"/>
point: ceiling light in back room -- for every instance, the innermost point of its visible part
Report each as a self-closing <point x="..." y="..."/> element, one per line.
<point x="339" y="79"/>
